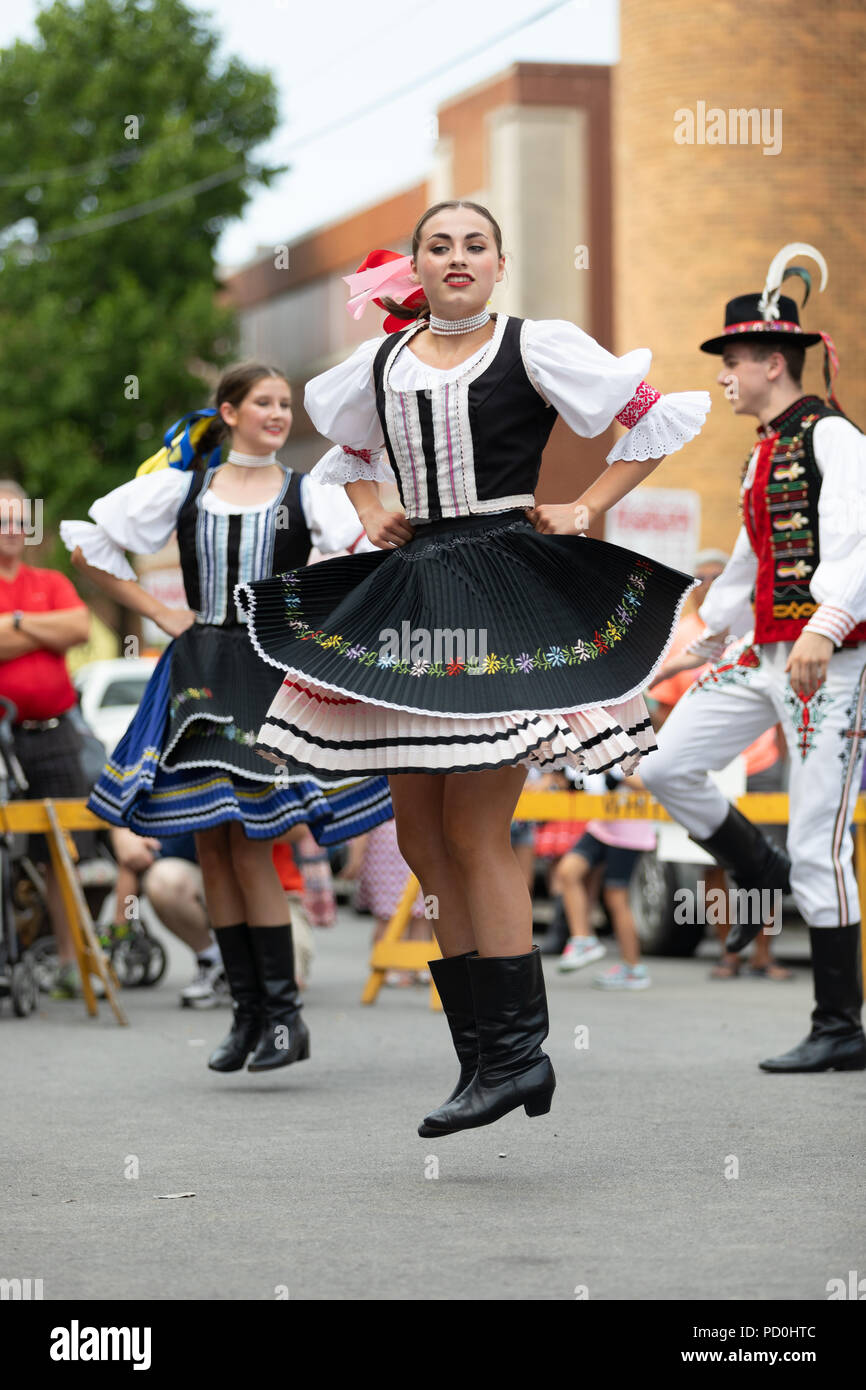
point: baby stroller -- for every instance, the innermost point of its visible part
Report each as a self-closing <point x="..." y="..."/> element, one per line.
<point x="17" y="974"/>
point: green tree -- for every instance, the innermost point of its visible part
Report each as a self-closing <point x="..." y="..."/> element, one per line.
<point x="110" y="325"/>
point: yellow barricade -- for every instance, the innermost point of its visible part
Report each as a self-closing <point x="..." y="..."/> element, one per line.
<point x="764" y="808"/>
<point x="54" y="820"/>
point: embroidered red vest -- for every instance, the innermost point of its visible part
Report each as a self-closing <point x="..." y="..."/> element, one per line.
<point x="780" y="513"/>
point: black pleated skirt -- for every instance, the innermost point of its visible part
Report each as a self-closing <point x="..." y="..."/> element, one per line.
<point x="478" y="644"/>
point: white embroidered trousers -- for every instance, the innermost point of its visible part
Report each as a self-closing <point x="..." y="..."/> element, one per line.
<point x="744" y="693"/>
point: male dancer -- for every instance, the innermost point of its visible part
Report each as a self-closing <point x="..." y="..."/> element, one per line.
<point x="800" y="562"/>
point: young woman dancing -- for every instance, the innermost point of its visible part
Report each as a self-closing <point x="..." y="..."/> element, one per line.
<point x="187" y="761"/>
<point x="485" y="632"/>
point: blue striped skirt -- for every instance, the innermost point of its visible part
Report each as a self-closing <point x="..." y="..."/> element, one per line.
<point x="187" y="760"/>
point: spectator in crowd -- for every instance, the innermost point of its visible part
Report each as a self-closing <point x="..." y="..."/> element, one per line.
<point x="614" y="847"/>
<point x="764" y="759"/>
<point x="166" y="872"/>
<point x="41" y="617"/>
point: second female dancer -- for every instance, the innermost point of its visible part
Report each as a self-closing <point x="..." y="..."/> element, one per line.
<point x="186" y="762"/>
<point x="565" y="632"/>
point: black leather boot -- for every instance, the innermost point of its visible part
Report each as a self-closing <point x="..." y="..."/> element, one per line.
<point x="753" y="861"/>
<point x="836" y="1042"/>
<point x="511" y="1016"/>
<point x="240" y="968"/>
<point x="284" y="1036"/>
<point x="451" y="978"/>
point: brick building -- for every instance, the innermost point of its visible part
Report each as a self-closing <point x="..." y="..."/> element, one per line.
<point x="695" y="225"/>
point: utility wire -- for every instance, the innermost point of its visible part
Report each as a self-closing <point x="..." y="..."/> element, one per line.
<point x="416" y="82"/>
<point x="165" y="200"/>
<point x="123" y="157"/>
<point x="129" y="214"/>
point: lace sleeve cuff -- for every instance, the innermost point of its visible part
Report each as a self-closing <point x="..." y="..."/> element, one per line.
<point x="344" y="465"/>
<point x="97" y="548"/>
<point x="659" y="425"/>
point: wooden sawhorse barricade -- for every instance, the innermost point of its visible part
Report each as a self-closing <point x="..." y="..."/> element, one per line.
<point x="54" y="820"/>
<point x="764" y="808"/>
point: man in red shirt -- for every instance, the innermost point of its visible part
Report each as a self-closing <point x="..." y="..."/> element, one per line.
<point x="41" y="617"/>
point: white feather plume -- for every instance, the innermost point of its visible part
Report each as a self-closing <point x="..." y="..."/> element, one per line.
<point x="769" y="301"/>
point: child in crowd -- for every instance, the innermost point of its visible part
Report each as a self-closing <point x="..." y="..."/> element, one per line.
<point x="616" y="846"/>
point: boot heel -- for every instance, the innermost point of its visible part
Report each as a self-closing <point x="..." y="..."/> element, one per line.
<point x="304" y="1053"/>
<point x="540" y="1105"/>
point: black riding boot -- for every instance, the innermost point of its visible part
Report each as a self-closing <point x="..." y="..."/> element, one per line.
<point x="511" y="1015"/>
<point x="753" y="860"/>
<point x="240" y="968"/>
<point x="451" y="978"/>
<point x="284" y="1035"/>
<point x="836" y="1042"/>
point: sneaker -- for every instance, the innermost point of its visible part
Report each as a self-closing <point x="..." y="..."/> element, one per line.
<point x="67" y="982"/>
<point x="208" y="987"/>
<point x="624" y="977"/>
<point x="580" y="951"/>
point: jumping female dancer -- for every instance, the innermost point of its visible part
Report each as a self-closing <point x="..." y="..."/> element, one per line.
<point x="187" y="762"/>
<point x="565" y="631"/>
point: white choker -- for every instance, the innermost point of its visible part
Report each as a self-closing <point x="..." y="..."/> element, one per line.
<point x="438" y="325"/>
<point x="251" y="460"/>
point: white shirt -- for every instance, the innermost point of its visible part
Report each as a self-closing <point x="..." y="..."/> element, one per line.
<point x="141" y="515"/>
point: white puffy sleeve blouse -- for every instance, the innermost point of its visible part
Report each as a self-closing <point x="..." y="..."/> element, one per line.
<point x="138" y="516"/>
<point x="589" y="387"/>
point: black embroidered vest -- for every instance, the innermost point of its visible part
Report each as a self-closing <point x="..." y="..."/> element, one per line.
<point x="469" y="446"/>
<point x="219" y="551"/>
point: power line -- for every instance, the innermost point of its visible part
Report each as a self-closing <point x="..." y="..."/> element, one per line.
<point x="137" y="210"/>
<point x="114" y="219"/>
<point x="38" y="176"/>
<point x="417" y="82"/>
<point x="124" y="157"/>
<point x="365" y="41"/>
<point x="205" y="126"/>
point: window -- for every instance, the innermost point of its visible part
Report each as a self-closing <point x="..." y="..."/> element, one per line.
<point x="126" y="691"/>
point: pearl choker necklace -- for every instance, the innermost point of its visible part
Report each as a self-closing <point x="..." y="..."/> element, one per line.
<point x="438" y="325"/>
<point x="251" y="460"/>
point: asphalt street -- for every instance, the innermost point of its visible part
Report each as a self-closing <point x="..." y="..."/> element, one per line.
<point x="670" y="1167"/>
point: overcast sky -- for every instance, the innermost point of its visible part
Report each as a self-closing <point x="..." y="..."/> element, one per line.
<point x="334" y="57"/>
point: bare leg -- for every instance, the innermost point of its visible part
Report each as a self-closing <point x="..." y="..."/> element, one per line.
<point x="477" y="812"/>
<point x="59" y="921"/>
<point x="225" y="903"/>
<point x="264" y="898"/>
<point x="174" y="888"/>
<point x="418" y="799"/>
<point x="619" y="907"/>
<point x="525" y="855"/>
<point x="570" y="879"/>
<point x="127" y="886"/>
<point x="715" y="879"/>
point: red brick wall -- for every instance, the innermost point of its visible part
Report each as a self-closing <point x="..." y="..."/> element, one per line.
<point x="697" y="224"/>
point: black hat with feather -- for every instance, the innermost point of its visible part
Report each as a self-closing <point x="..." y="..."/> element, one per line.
<point x="774" y="317"/>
